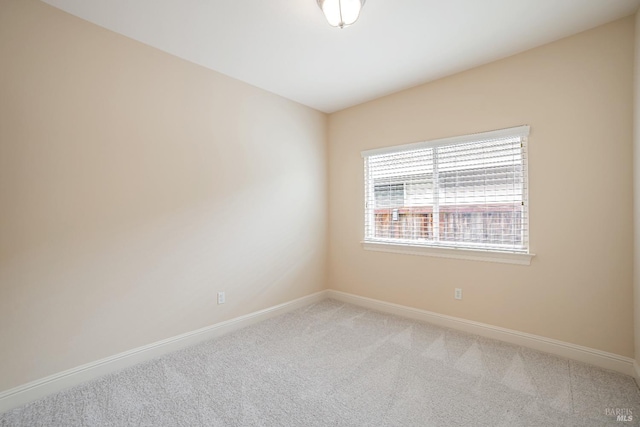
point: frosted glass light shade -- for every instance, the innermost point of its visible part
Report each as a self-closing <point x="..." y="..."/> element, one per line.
<point x="341" y="13"/>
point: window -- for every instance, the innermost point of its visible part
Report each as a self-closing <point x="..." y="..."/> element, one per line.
<point x="466" y="193"/>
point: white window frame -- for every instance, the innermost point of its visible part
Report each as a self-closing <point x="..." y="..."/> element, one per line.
<point x="411" y="247"/>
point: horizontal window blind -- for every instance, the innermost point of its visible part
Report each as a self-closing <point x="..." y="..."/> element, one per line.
<point x="465" y="192"/>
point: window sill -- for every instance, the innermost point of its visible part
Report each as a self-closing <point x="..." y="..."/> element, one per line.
<point x="468" y="254"/>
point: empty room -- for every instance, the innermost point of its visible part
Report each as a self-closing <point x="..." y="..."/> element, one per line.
<point x="319" y="213"/>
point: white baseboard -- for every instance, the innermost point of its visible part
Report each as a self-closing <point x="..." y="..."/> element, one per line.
<point x="588" y="355"/>
<point x="36" y="389"/>
<point x="636" y="372"/>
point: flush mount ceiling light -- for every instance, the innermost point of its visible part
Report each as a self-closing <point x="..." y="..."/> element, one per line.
<point x="341" y="13"/>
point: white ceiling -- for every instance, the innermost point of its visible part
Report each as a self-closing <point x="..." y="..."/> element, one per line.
<point x="287" y="47"/>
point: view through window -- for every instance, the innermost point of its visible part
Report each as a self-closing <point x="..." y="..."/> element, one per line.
<point x="467" y="192"/>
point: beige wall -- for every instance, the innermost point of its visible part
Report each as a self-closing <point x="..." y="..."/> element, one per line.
<point x="133" y="187"/>
<point x="636" y="191"/>
<point x="577" y="96"/>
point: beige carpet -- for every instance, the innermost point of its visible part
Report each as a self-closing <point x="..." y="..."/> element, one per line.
<point x="333" y="364"/>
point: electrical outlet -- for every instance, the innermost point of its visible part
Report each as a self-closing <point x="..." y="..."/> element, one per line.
<point x="458" y="293"/>
<point x="221" y="298"/>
